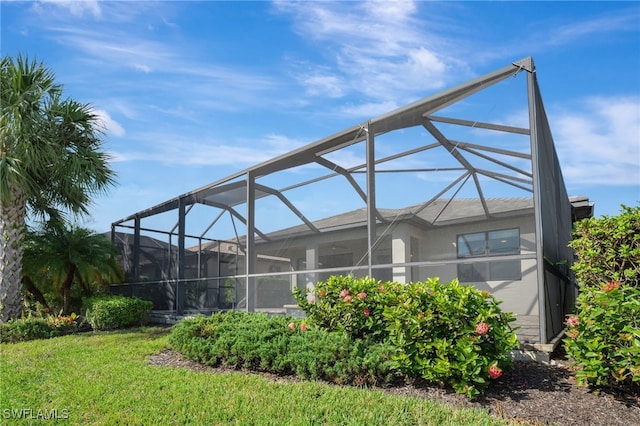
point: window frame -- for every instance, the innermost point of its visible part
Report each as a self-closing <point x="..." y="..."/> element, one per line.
<point x="484" y="269"/>
<point x="487" y="252"/>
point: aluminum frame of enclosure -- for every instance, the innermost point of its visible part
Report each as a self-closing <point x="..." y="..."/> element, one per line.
<point x="551" y="206"/>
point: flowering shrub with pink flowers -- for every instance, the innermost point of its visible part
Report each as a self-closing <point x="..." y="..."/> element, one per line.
<point x="442" y="332"/>
<point x="344" y="303"/>
<point x="450" y="333"/>
<point x="603" y="336"/>
<point x="603" y="333"/>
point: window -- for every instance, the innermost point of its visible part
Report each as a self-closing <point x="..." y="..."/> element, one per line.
<point x="490" y="243"/>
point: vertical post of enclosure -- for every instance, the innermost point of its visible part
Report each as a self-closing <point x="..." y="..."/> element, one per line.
<point x="181" y="256"/>
<point x="537" y="201"/>
<point x="136" y="251"/>
<point x="371" y="197"/>
<point x="250" y="252"/>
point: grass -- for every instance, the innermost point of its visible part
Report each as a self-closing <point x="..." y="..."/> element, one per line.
<point x="104" y="379"/>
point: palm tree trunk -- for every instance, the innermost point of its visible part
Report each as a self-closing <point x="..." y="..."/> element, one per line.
<point x="31" y="288"/>
<point x="86" y="291"/>
<point x="12" y="223"/>
<point x="66" y="289"/>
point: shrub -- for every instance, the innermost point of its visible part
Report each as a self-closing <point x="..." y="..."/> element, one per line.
<point x="354" y="306"/>
<point x="608" y="247"/>
<point x="446" y="333"/>
<point x="603" y="338"/>
<point x="451" y="334"/>
<point x="282" y="345"/>
<point x="111" y="312"/>
<point x="32" y="328"/>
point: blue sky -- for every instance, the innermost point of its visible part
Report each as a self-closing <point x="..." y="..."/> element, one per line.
<point x="191" y="92"/>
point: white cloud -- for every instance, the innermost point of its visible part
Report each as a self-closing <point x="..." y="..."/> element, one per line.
<point x="379" y="49"/>
<point x="599" y="143"/>
<point x="77" y="8"/>
<point x="560" y="29"/>
<point x="179" y="149"/>
<point x="368" y="109"/>
<point x="114" y="49"/>
<point x="109" y="125"/>
<point x="626" y="21"/>
<point x="168" y="66"/>
<point x="323" y="85"/>
<point x="144" y="68"/>
<point x="394" y="10"/>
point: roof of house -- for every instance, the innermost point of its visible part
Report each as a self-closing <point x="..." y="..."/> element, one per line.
<point x="440" y="212"/>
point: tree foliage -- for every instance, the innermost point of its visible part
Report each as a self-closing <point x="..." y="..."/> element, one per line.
<point x="603" y="335"/>
<point x="51" y="144"/>
<point x="51" y="162"/>
<point x="608" y="249"/>
<point x="58" y="258"/>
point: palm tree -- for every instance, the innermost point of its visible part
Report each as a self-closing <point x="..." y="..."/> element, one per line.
<point x="50" y="163"/>
<point x="64" y="255"/>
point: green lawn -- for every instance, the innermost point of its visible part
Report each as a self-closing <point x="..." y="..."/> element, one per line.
<point x="104" y="379"/>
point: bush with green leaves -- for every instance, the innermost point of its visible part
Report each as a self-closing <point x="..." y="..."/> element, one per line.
<point x="450" y="333"/>
<point x="354" y="306"/>
<point x="33" y="328"/>
<point x="111" y="312"/>
<point x="603" y="338"/>
<point x="281" y="345"/>
<point x="442" y="332"/>
<point x="608" y="248"/>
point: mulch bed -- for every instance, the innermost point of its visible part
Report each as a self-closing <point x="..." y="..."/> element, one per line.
<point x="533" y="393"/>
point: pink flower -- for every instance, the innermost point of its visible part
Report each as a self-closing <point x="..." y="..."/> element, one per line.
<point x="344" y="292"/>
<point x="482" y="328"/>
<point x="366" y="312"/>
<point x="322" y="293"/>
<point x="312" y="300"/>
<point x="572" y="321"/>
<point x="610" y="286"/>
<point x="303" y="327"/>
<point x="361" y="295"/>
<point x="382" y="289"/>
<point x="573" y="333"/>
<point x="348" y="298"/>
<point x="495" y="371"/>
<point x="292" y="326"/>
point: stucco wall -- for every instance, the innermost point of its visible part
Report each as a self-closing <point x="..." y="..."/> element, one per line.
<point x="520" y="297"/>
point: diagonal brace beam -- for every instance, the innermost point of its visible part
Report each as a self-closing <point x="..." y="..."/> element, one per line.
<point x="344" y="172"/>
<point x="288" y="203"/>
<point x="458" y="156"/>
<point x="234" y="213"/>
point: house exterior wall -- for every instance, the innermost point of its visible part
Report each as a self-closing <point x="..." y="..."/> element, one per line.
<point x="434" y="245"/>
<point x="519" y="297"/>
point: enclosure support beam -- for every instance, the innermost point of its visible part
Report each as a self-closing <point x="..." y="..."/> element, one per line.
<point x="136" y="249"/>
<point x="453" y="149"/>
<point x="537" y="203"/>
<point x="181" y="256"/>
<point x="342" y="171"/>
<point x="250" y="250"/>
<point x="371" y="198"/>
<point x="311" y="278"/>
